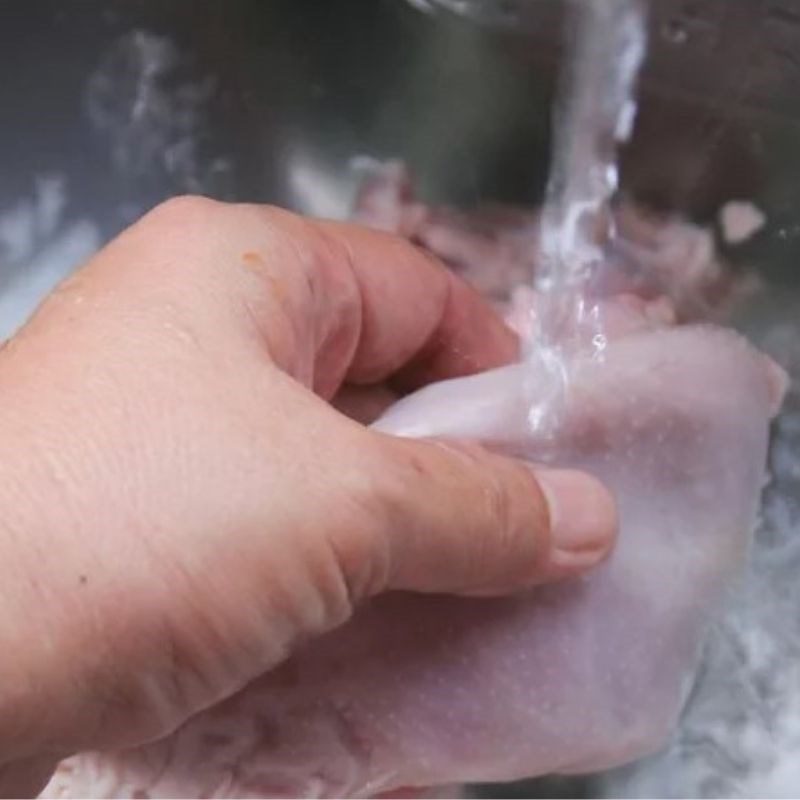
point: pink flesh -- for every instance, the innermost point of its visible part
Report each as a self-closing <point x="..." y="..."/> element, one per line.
<point x="421" y="691"/>
<point x="493" y="247"/>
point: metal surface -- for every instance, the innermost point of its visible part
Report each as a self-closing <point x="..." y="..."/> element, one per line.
<point x="287" y="91"/>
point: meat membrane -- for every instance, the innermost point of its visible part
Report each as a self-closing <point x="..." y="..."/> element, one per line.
<point x="420" y="691"/>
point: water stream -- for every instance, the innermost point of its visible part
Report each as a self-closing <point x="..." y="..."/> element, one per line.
<point x="594" y="115"/>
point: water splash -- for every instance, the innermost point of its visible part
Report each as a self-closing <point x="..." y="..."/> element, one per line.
<point x="595" y="114"/>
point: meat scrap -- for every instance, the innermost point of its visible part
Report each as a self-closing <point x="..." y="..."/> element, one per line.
<point x="495" y="247"/>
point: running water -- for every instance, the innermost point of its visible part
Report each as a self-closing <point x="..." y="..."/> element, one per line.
<point x="595" y="114"/>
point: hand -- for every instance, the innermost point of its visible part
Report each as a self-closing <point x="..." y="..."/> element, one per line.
<point x="182" y="504"/>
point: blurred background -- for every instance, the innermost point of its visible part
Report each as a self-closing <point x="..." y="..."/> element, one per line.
<point x="109" y="106"/>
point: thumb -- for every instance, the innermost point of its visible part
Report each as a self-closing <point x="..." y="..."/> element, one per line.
<point x="462" y="520"/>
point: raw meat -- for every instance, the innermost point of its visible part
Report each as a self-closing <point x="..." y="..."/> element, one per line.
<point x="422" y="691"/>
<point x="740" y="220"/>
<point x="494" y="247"/>
<point x="740" y="734"/>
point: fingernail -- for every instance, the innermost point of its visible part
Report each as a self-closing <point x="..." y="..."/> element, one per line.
<point x="583" y="518"/>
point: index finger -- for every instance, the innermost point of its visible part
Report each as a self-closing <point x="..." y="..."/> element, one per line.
<point x="419" y="322"/>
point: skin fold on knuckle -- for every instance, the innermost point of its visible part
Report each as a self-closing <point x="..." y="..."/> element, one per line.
<point x="461" y="519"/>
<point x="404" y="476"/>
<point x="358" y="520"/>
<point x="527" y="525"/>
<point x="511" y="523"/>
<point x="360" y="564"/>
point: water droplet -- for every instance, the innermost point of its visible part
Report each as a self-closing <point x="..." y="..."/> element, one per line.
<point x="501" y="12"/>
<point x="675" y="32"/>
<point x="789" y="232"/>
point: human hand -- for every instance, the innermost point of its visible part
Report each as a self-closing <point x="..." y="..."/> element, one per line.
<point x="181" y="502"/>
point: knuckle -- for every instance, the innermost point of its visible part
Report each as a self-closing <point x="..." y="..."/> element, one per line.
<point x="520" y="518"/>
<point x="291" y="238"/>
<point x="273" y="216"/>
<point x="282" y="227"/>
<point x="501" y="507"/>
<point x="191" y="211"/>
<point x="359" y="534"/>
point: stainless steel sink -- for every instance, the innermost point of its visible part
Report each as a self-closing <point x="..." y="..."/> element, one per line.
<point x="269" y="100"/>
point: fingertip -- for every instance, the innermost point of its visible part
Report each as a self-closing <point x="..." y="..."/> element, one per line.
<point x="583" y="519"/>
